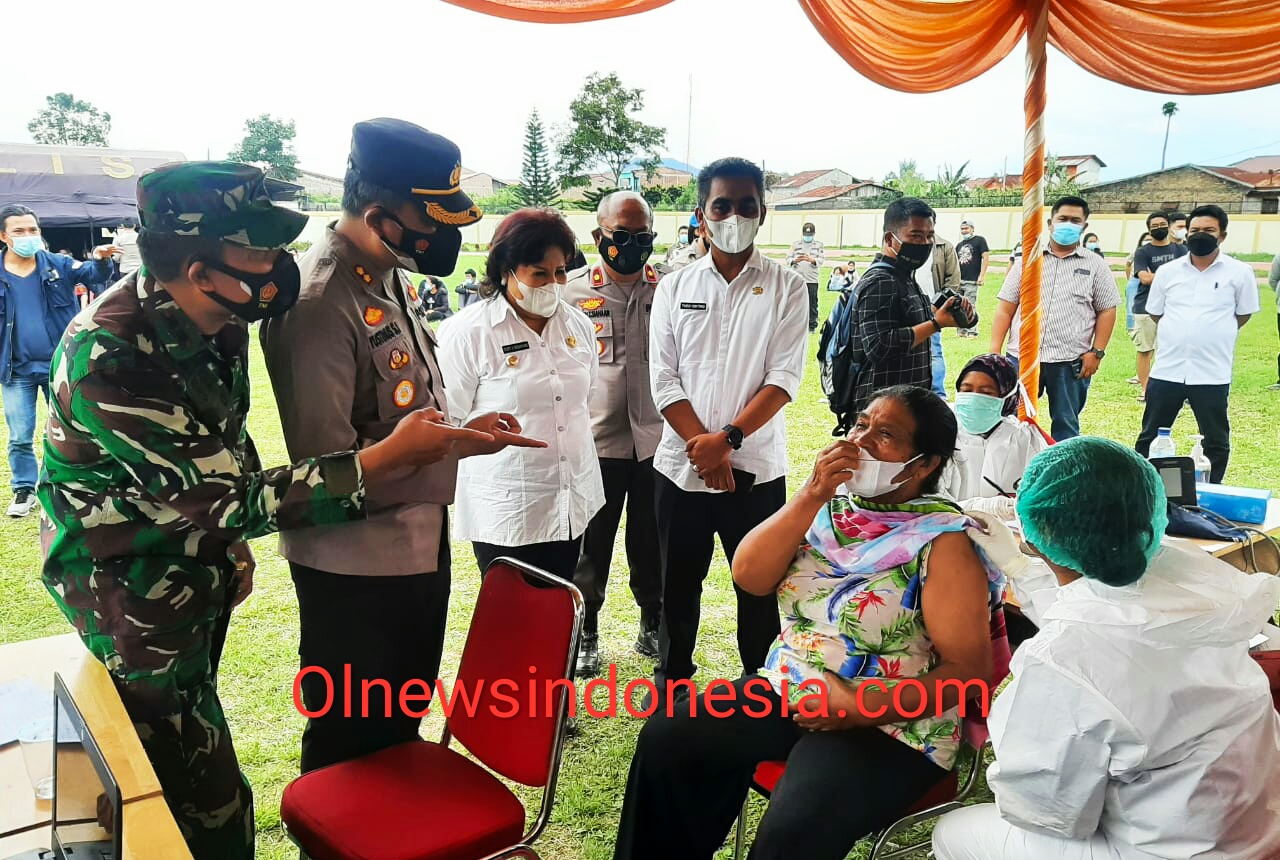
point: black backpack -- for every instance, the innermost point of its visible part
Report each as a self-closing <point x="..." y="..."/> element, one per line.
<point x="840" y="359"/>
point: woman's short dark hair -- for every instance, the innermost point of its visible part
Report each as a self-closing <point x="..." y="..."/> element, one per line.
<point x="522" y="238"/>
<point x="936" y="430"/>
<point x="167" y="255"/>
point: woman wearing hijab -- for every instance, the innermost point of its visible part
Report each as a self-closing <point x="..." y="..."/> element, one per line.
<point x="1136" y="726"/>
<point x="993" y="447"/>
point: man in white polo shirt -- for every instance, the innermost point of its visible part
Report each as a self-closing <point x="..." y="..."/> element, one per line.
<point x="1199" y="303"/>
<point x="727" y="339"/>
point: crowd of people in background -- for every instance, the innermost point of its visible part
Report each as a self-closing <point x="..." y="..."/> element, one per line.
<point x="559" y="396"/>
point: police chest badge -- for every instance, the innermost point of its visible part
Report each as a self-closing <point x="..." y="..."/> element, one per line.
<point x="413" y="293"/>
<point x="591" y="304"/>
<point x="372" y="316"/>
<point x="572" y="341"/>
<point x="398" y="359"/>
<point x="403" y="395"/>
<point x="513" y="360"/>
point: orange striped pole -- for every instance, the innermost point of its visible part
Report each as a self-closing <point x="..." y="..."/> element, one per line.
<point x="1033" y="102"/>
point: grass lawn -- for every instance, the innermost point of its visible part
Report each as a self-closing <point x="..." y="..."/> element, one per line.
<point x="261" y="657"/>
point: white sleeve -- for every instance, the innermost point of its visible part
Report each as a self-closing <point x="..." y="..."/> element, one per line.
<point x="1247" y="302"/>
<point x="664" y="357"/>
<point x="784" y="358"/>
<point x="459" y="367"/>
<point x="1159" y="289"/>
<point x="1052" y="737"/>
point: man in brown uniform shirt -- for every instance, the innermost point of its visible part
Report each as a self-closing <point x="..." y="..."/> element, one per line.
<point x="352" y="359"/>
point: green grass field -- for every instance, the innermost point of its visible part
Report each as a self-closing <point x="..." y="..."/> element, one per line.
<point x="261" y="656"/>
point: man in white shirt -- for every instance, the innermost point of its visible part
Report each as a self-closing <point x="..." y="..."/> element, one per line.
<point x="1199" y="303"/>
<point x="727" y="340"/>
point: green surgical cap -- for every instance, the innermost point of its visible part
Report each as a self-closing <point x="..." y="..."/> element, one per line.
<point x="1095" y="507"/>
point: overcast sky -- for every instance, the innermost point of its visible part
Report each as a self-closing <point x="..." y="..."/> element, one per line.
<point x="765" y="86"/>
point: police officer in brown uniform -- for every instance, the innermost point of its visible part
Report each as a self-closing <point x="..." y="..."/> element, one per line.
<point x="352" y="359"/>
<point x="616" y="296"/>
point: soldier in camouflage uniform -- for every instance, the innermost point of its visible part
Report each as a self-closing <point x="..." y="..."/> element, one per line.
<point x="152" y="484"/>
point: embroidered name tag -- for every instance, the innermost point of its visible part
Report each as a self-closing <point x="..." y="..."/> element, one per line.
<point x="384" y="334"/>
<point x="604" y="313"/>
<point x="693" y="306"/>
<point x="515" y="347"/>
<point x="1083" y="272"/>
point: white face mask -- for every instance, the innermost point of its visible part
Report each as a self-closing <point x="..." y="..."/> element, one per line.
<point x="876" y="477"/>
<point x="539" y="301"/>
<point x="735" y="234"/>
<point x="1179" y="233"/>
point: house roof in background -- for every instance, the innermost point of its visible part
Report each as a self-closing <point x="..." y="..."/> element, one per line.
<point x="804" y="177"/>
<point x="1259" y="163"/>
<point x="1071" y="160"/>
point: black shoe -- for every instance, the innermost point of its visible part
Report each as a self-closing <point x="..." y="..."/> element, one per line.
<point x="647" y="641"/>
<point x="571" y="729"/>
<point x="588" y="656"/>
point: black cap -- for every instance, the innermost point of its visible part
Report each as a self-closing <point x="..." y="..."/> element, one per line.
<point x="408" y="159"/>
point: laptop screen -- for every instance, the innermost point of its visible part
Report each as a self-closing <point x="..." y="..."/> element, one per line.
<point x="87" y="812"/>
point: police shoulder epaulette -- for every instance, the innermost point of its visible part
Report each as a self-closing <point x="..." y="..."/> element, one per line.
<point x="597" y="276"/>
<point x="650" y="274"/>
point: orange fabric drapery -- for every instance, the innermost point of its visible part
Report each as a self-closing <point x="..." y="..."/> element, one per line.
<point x="559" y="11"/>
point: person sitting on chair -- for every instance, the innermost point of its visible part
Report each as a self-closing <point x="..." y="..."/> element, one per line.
<point x="993" y="447"/>
<point x="877" y="581"/>
<point x="1136" y="725"/>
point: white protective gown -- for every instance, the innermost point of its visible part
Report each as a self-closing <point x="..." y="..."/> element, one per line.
<point x="1000" y="458"/>
<point x="1136" y="726"/>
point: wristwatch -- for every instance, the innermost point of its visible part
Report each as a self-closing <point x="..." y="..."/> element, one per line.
<point x="1100" y="353"/>
<point x="734" y="435"/>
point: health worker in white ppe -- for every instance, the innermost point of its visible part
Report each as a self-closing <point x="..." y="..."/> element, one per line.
<point x="1136" y="726"/>
<point x="993" y="447"/>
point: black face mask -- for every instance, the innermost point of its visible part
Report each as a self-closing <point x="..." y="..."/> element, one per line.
<point x="270" y="294"/>
<point x="426" y="253"/>
<point x="1160" y="233"/>
<point x="1202" y="244"/>
<point x="624" y="259"/>
<point x="912" y="255"/>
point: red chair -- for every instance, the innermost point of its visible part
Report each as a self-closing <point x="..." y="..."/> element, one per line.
<point x="426" y="801"/>
<point x="945" y="796"/>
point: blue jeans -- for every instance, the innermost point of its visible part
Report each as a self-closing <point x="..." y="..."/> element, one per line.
<point x="20" y="414"/>
<point x="1130" y="293"/>
<point x="1067" y="396"/>
<point x="938" y="365"/>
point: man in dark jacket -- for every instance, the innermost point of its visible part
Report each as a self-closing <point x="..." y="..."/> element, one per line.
<point x="37" y="302"/>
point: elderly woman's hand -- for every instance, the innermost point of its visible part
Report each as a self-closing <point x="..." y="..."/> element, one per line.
<point x="842" y="708"/>
<point x="835" y="464"/>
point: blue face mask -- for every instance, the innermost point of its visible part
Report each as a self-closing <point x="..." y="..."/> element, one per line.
<point x="26" y="246"/>
<point x="1067" y="234"/>
<point x="808" y="237"/>
<point x="978" y="413"/>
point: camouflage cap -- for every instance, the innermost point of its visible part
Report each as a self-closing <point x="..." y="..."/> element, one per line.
<point x="222" y="200"/>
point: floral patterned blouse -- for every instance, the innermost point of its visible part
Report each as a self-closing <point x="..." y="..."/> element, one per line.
<point x="868" y="625"/>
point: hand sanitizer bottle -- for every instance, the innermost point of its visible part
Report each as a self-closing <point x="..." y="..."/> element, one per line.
<point x="1202" y="462"/>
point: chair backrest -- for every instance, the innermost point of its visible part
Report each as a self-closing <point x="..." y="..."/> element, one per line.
<point x="975" y="724"/>
<point x="524" y="632"/>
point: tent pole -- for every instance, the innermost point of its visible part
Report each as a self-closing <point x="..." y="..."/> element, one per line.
<point x="1033" y="104"/>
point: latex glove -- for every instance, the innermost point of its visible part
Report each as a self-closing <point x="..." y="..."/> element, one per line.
<point x="998" y="543"/>
<point x="1001" y="506"/>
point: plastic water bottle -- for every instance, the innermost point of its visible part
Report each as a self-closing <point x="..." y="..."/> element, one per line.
<point x="1202" y="462"/>
<point x="1163" y="445"/>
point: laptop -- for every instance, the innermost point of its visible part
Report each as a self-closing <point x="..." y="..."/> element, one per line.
<point x="88" y="815"/>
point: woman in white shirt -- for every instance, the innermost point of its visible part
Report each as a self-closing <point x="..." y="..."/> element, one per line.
<point x="1136" y="726"/>
<point x="524" y="350"/>
<point x="993" y="447"/>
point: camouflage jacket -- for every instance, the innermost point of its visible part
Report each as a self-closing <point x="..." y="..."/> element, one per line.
<point x="149" y="473"/>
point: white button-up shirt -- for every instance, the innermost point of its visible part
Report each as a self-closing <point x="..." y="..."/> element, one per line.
<point x="493" y="362"/>
<point x="1198" y="329"/>
<point x="716" y="344"/>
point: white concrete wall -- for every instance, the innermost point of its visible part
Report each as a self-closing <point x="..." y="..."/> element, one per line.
<point x="1001" y="227"/>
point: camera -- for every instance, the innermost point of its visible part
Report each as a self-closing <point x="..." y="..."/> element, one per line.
<point x="965" y="318"/>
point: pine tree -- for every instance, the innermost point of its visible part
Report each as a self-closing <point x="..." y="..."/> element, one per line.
<point x="537" y="187"/>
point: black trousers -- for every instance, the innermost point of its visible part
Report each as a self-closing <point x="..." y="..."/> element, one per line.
<point x="629" y="484"/>
<point x="557" y="557"/>
<point x="1208" y="403"/>
<point x="687" y="526"/>
<point x="690" y="775"/>
<point x="386" y="627"/>
<point x="813" y="306"/>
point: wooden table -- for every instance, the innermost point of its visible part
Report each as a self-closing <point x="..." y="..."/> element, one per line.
<point x="21" y="815"/>
<point x="1239" y="555"/>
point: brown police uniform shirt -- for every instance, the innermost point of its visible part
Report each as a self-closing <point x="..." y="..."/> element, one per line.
<point x="624" y="418"/>
<point x="353" y="357"/>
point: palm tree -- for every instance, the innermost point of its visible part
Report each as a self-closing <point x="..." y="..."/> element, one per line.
<point x="1170" y="108"/>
